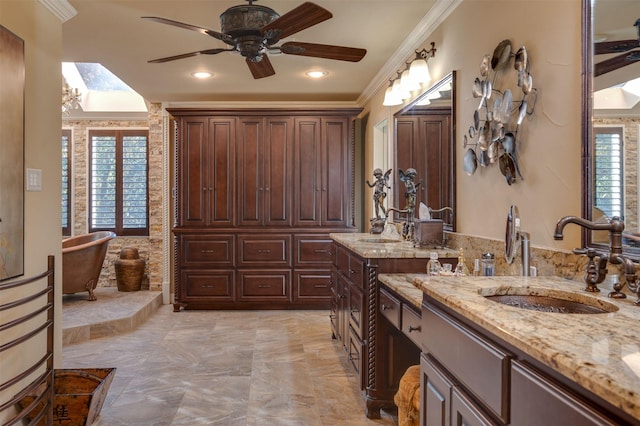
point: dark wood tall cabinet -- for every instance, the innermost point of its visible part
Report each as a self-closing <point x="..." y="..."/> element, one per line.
<point x="257" y="193"/>
<point x="423" y="142"/>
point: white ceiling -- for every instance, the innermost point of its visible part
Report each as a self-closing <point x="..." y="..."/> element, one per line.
<point x="112" y="33"/>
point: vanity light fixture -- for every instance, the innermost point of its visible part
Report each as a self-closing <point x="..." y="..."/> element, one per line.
<point x="201" y="75"/>
<point x="415" y="74"/>
<point x="316" y="74"/>
<point x="391" y="98"/>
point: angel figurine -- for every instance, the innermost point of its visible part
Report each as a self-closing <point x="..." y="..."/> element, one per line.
<point x="411" y="188"/>
<point x="381" y="185"/>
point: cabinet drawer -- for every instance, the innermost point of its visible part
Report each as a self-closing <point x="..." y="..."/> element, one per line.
<point x="356" y="315"/>
<point x="535" y="400"/>
<point x="264" y="285"/>
<point x="312" y="251"/>
<point x="205" y="250"/>
<point x="214" y="284"/>
<point x="266" y="251"/>
<point x="356" y="351"/>
<point x="356" y="270"/>
<point x="312" y="284"/>
<point x="412" y="325"/>
<point x="390" y="308"/>
<point x="454" y="344"/>
<point x="342" y="261"/>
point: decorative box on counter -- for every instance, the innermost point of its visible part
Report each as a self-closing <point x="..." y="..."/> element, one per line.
<point x="429" y="233"/>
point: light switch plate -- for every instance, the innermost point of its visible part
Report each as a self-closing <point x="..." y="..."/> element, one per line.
<point x="34" y="180"/>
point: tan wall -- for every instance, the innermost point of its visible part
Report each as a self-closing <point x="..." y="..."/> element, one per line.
<point x="43" y="47"/>
<point x="150" y="248"/>
<point x="550" y="140"/>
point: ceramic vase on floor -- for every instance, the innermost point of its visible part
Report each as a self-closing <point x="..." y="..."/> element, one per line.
<point x="129" y="270"/>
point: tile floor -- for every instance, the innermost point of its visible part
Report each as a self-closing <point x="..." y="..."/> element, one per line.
<point x="226" y="368"/>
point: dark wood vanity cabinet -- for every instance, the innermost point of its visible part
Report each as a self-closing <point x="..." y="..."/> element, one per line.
<point x="378" y="330"/>
<point x="257" y="193"/>
<point x="471" y="378"/>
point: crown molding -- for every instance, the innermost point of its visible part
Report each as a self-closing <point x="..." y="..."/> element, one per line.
<point x="62" y="9"/>
<point x="427" y="25"/>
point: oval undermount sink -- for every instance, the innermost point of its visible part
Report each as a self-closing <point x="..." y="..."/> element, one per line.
<point x="547" y="300"/>
<point x="378" y="240"/>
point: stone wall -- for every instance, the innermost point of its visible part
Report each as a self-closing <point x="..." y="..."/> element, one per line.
<point x="630" y="144"/>
<point x="150" y="248"/>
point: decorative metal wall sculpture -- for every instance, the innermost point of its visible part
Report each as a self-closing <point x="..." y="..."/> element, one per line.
<point x="493" y="136"/>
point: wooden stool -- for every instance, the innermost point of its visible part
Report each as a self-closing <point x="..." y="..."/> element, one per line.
<point x="408" y="397"/>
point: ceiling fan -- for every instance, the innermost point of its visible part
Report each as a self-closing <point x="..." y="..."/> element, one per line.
<point x="253" y="31"/>
<point x="617" y="46"/>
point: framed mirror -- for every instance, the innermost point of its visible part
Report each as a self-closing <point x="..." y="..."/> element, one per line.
<point x="424" y="139"/>
<point x="611" y="119"/>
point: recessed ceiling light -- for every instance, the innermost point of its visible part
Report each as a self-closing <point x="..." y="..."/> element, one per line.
<point x="316" y="74"/>
<point x="201" y="75"/>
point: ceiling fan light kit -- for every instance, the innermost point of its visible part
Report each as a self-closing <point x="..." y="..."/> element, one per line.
<point x="254" y="31"/>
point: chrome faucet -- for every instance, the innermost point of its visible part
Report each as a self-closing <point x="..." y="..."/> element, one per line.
<point x="596" y="275"/>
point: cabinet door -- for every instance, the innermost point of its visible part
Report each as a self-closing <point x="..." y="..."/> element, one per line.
<point x="435" y="391"/>
<point x="424" y="143"/>
<point x="220" y="161"/>
<point x="263" y="177"/>
<point x="336" y="162"/>
<point x="277" y="172"/>
<point x="307" y="177"/>
<point x="250" y="148"/>
<point x="465" y="413"/>
<point x="192" y="169"/>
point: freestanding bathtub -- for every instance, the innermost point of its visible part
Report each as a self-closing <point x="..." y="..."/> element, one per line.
<point x="82" y="259"/>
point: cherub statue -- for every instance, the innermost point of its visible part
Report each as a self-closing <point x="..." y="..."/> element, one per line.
<point x="411" y="188"/>
<point x="410" y="201"/>
<point x="381" y="185"/>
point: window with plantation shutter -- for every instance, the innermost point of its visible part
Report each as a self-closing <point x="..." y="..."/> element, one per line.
<point x="608" y="171"/>
<point x="66" y="182"/>
<point x="118" y="186"/>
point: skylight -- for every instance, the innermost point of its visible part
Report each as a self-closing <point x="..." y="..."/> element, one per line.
<point x="101" y="90"/>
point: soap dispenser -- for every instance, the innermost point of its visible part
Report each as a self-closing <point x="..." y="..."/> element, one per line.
<point x="461" y="268"/>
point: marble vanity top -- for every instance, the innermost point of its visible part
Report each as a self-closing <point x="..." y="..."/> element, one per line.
<point x="601" y="352"/>
<point x="373" y="246"/>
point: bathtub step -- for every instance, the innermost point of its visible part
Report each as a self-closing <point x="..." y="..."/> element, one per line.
<point x="114" y="312"/>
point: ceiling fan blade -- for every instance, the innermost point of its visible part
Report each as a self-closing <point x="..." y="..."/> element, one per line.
<point x="617" y="46"/>
<point x="220" y="36"/>
<point x="616" y="62"/>
<point x="189" y="55"/>
<point x="304" y="16"/>
<point x="261" y="69"/>
<point x="326" y="51"/>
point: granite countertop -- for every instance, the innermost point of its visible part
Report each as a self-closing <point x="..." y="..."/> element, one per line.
<point x="601" y="352"/>
<point x="373" y="246"/>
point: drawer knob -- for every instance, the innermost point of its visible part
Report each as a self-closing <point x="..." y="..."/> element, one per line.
<point x="264" y="285"/>
<point x="208" y="286"/>
<point x="320" y="286"/>
<point x="385" y="307"/>
<point x="411" y="328"/>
